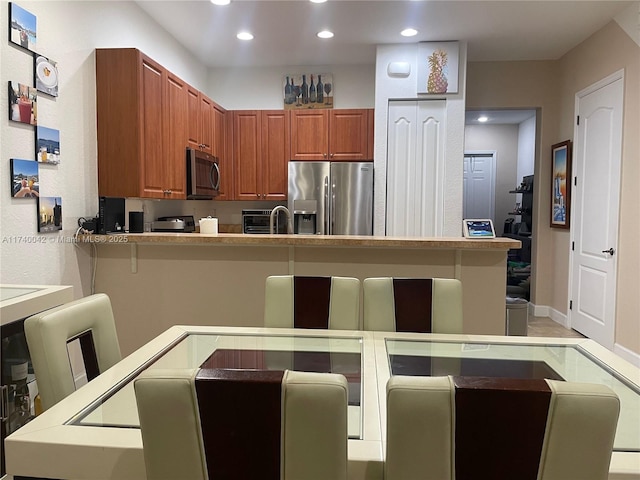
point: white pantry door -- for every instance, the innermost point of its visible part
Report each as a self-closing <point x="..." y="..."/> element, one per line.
<point x="595" y="209"/>
<point x="415" y="168"/>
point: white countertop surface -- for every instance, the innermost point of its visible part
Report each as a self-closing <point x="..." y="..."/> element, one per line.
<point x="21" y="301"/>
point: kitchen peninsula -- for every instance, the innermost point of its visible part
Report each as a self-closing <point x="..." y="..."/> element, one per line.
<point x="157" y="280"/>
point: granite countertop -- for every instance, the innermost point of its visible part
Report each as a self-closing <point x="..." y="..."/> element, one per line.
<point x="457" y="243"/>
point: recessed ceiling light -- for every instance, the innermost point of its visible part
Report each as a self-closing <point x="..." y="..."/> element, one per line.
<point x="221" y="2"/>
<point x="483" y="118"/>
<point x="409" y="32"/>
<point x="325" y="34"/>
<point x="244" y="36"/>
<point x="317" y="1"/>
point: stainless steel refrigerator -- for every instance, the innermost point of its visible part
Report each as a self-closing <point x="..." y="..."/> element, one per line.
<point x="331" y="198"/>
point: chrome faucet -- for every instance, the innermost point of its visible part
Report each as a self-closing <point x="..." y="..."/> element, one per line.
<point x="273" y="216"/>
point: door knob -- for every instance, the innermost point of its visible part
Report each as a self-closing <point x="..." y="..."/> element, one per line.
<point x="611" y="251"/>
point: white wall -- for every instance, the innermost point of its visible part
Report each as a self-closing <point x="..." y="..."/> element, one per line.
<point x="68" y="32"/>
<point x="262" y="88"/>
<point x="388" y="88"/>
<point x="526" y="147"/>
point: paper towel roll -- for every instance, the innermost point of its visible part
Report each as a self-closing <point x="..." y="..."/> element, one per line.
<point x="209" y="225"/>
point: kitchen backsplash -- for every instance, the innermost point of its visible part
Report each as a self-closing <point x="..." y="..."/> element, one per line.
<point x="227" y="212"/>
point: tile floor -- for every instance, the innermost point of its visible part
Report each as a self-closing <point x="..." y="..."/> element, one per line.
<point x="545" y="327"/>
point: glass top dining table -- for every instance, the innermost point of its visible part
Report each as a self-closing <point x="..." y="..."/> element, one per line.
<point x="99" y="422"/>
<point x="563" y="362"/>
<point x="341" y="355"/>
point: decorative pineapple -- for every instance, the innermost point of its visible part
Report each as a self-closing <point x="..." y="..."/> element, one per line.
<point x="437" y="81"/>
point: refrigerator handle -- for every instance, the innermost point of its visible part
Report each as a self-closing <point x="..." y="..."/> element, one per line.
<point x="333" y="207"/>
<point x="326" y="206"/>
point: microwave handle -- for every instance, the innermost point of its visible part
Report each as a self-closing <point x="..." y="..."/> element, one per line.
<point x="215" y="184"/>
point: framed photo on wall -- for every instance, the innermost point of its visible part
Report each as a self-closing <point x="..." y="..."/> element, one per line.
<point x="560" y="184"/>
<point x="22" y="27"/>
<point x="438" y="67"/>
<point x="49" y="214"/>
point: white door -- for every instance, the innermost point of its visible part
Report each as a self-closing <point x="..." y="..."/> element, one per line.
<point x="415" y="168"/>
<point x="595" y="207"/>
<point x="479" y="182"/>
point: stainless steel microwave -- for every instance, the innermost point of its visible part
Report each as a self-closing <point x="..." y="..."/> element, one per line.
<point x="203" y="175"/>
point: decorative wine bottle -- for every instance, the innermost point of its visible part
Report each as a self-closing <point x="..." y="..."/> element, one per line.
<point x="288" y="93"/>
<point x="305" y="90"/>
<point x="312" y="92"/>
<point x="320" y="94"/>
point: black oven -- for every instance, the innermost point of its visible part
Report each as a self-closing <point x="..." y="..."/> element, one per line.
<point x="203" y="175"/>
<point x="257" y="221"/>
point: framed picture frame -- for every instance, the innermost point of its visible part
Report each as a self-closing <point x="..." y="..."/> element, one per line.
<point x="22" y="27"/>
<point x="23" y="100"/>
<point x="438" y="67"/>
<point x="45" y="72"/>
<point x="25" y="178"/>
<point x="303" y="91"/>
<point x="49" y="214"/>
<point x="47" y="145"/>
<point x="561" y="184"/>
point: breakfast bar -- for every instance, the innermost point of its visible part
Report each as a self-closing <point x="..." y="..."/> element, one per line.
<point x="177" y="278"/>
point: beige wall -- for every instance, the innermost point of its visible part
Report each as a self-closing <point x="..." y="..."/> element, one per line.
<point x="526" y="85"/>
<point x="604" y="53"/>
<point x="552" y="86"/>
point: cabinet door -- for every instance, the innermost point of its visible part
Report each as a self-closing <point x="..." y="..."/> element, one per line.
<point x="195" y="120"/>
<point x="275" y="154"/>
<point x="348" y="135"/>
<point x="370" y="133"/>
<point x="176" y="138"/>
<point x="206" y="114"/>
<point x="222" y="150"/>
<point x="152" y="152"/>
<point x="309" y="135"/>
<point x="246" y="154"/>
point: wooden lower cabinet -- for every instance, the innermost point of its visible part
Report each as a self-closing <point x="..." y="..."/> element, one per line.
<point x="260" y="154"/>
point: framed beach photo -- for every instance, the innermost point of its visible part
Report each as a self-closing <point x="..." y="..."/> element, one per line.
<point x="560" y="184"/>
<point x="45" y="71"/>
<point x="438" y="67"/>
<point x="49" y="214"/>
<point x="23" y="103"/>
<point x="47" y="145"/>
<point x="22" y="27"/>
<point x="25" y="178"/>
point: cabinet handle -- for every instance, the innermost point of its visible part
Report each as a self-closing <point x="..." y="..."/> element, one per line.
<point x="331" y="155"/>
<point x="324" y="155"/>
<point x="258" y="195"/>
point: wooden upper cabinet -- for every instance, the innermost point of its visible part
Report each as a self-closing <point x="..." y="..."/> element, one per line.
<point x="201" y="121"/>
<point x="176" y="137"/>
<point x="247" y="136"/>
<point x="138" y="151"/>
<point x="260" y="154"/>
<point x="334" y="135"/>
<point x="275" y="154"/>
<point x="222" y="126"/>
<point x="195" y="120"/>
<point x="309" y="134"/>
<point x="206" y="113"/>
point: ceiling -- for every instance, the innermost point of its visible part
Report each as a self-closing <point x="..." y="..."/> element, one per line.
<point x="498" y="117"/>
<point x="285" y="31"/>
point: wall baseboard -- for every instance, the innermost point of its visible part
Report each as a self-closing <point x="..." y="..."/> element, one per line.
<point x="562" y="319"/>
<point x="629" y="355"/>
<point x="552" y="313"/>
